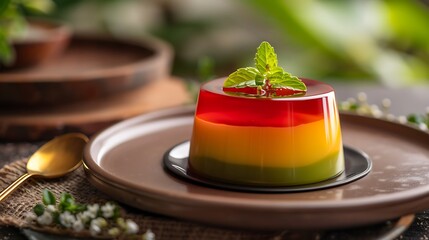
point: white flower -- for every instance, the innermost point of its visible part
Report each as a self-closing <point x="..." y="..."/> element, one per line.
<point x="402" y="119"/>
<point x="51" y="208"/>
<point x="108" y="210"/>
<point x="149" y="235"/>
<point x="45" y="219"/>
<point x="423" y="126"/>
<point x="386" y="103"/>
<point x="94" y="229"/>
<point x="67" y="219"/>
<point x="93" y="209"/>
<point x="132" y="227"/>
<point x="85" y="216"/>
<point x="78" y="225"/>
<point x="30" y="217"/>
<point x="89" y="214"/>
<point x="362" y="97"/>
<point x="96" y="225"/>
<point x="101" y="222"/>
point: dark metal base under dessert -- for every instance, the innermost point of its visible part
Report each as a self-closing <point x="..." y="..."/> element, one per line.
<point x="357" y="165"/>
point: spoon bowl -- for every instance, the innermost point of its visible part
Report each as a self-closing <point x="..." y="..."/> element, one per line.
<point x="55" y="158"/>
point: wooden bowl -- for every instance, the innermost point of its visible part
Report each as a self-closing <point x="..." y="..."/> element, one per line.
<point x="89" y="69"/>
<point x="44" y="41"/>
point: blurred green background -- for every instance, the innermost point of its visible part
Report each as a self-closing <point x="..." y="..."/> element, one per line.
<point x="356" y="40"/>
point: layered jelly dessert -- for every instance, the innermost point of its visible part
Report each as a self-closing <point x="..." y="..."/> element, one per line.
<point x="266" y="141"/>
<point x="262" y="126"/>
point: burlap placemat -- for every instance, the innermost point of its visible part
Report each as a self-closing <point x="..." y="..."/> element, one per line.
<point x="14" y="208"/>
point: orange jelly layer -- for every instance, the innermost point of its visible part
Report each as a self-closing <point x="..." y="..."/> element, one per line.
<point x="263" y="141"/>
<point x="296" y="146"/>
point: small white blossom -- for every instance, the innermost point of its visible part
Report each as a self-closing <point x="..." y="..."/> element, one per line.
<point x="78" y="225"/>
<point x="67" y="219"/>
<point x="132" y="227"/>
<point x="390" y="117"/>
<point x="51" y="208"/>
<point x="30" y="217"/>
<point x="94" y="229"/>
<point x="102" y="222"/>
<point x="345" y="105"/>
<point x="96" y="225"/>
<point x="149" y="235"/>
<point x="377" y="113"/>
<point x="361" y="111"/>
<point x="85" y="216"/>
<point x="93" y="209"/>
<point x="108" y="210"/>
<point x="362" y="97"/>
<point x="386" y="103"/>
<point x="45" y="219"/>
<point x="402" y="119"/>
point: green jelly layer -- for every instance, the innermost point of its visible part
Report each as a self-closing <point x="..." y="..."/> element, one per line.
<point x="326" y="168"/>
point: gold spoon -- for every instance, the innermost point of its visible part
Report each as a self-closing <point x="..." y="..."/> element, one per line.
<point x="55" y="158"/>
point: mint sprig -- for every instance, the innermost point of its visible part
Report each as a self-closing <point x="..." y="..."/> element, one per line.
<point x="265" y="58"/>
<point x="267" y="76"/>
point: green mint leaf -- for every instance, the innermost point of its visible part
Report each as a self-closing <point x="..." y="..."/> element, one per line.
<point x="259" y="80"/>
<point x="281" y="79"/>
<point x="240" y="76"/>
<point x="75" y="208"/>
<point x="39" y="209"/>
<point x="265" y="58"/>
<point x="250" y="83"/>
<point x="66" y="202"/>
<point x="277" y="74"/>
<point x="67" y="199"/>
<point x="291" y="82"/>
<point x="48" y="197"/>
<point x="413" y="118"/>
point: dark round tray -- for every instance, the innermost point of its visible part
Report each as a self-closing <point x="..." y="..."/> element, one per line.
<point x="357" y="165"/>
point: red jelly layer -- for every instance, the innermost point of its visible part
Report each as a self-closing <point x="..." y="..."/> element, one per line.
<point x="217" y="106"/>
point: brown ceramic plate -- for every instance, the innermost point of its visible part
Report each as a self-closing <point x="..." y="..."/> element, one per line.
<point x="90" y="68"/>
<point x="125" y="161"/>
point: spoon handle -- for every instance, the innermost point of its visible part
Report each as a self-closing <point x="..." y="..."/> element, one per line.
<point x="6" y="192"/>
